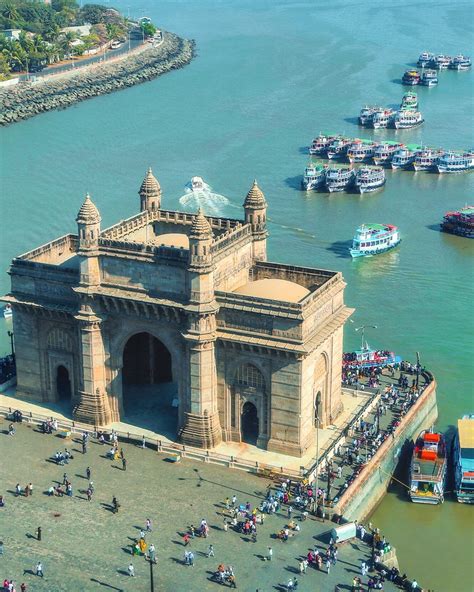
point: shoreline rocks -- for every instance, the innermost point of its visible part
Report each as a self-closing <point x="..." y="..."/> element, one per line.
<point x="62" y="90"/>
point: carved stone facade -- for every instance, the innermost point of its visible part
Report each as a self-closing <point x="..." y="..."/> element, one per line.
<point x="244" y="345"/>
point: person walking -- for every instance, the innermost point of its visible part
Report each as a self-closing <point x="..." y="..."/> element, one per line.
<point x="115" y="505"/>
<point x="234" y="500"/>
<point x="328" y="564"/>
<point x="38" y="533"/>
<point x="89" y="494"/>
<point x="131" y="570"/>
<point x="23" y="587"/>
<point x="363" y="569"/>
<point x="39" y="569"/>
<point x="143" y="442"/>
<point x="152" y="553"/>
<point x="191" y="558"/>
<point x="124" y="464"/>
<point x="88" y="473"/>
<point x="270" y="554"/>
<point x="210" y="551"/>
<point x="148" y="525"/>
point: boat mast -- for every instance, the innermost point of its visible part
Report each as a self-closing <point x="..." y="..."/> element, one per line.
<point x="364" y="344"/>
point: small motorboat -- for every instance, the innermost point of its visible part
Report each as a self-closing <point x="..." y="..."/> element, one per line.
<point x="7" y="311"/>
<point x="197" y="184"/>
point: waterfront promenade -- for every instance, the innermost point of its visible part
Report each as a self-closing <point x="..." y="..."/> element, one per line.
<point x="96" y="544"/>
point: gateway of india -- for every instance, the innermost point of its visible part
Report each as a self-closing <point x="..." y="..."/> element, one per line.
<point x="183" y="314"/>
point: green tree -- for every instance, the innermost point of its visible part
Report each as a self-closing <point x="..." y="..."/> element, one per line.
<point x="148" y="29"/>
<point x="93" y="13"/>
<point x="8" y="10"/>
<point x="4" y="67"/>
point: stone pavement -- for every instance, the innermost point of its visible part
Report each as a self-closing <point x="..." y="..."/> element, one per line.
<point x="86" y="547"/>
<point x="140" y="425"/>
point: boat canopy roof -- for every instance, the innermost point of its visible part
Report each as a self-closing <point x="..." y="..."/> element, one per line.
<point x="376" y="227"/>
<point x="466" y="433"/>
<point x="414" y="146"/>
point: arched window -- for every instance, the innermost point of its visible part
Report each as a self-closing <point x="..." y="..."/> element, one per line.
<point x="250" y="376"/>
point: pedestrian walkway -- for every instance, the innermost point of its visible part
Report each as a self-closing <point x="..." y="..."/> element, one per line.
<point x="98" y="540"/>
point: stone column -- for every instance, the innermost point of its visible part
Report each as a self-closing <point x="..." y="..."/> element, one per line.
<point x="93" y="407"/>
<point x="201" y="422"/>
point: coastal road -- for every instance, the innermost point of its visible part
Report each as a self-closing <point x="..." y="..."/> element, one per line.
<point x="110" y="53"/>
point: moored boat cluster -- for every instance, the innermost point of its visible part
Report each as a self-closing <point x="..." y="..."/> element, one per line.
<point x="393" y="154"/>
<point x="407" y="116"/>
<point x="344" y="178"/>
<point x="430" y="64"/>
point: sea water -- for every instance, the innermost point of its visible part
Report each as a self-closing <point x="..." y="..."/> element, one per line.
<point x="268" y="77"/>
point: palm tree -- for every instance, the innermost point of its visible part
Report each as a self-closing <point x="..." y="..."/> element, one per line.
<point x="9" y="11"/>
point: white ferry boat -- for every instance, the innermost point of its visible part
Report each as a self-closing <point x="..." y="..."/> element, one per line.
<point x="383" y="152"/>
<point x="366" y="114"/>
<point x="424" y="59"/>
<point x="382" y="119"/>
<point x="426" y="159"/>
<point x="460" y="62"/>
<point x="339" y="178"/>
<point x="409" y="101"/>
<point x="373" y="239"/>
<point x="369" y="179"/>
<point x="429" y="78"/>
<point x="440" y="62"/>
<point x="338" y="148"/>
<point x="360" y="151"/>
<point x="453" y="162"/>
<point x="464" y="460"/>
<point x="428" y="469"/>
<point x="406" y="119"/>
<point x="321" y="143"/>
<point x="403" y="157"/>
<point x="314" y="176"/>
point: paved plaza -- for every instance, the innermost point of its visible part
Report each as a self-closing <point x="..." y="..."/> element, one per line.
<point x="85" y="546"/>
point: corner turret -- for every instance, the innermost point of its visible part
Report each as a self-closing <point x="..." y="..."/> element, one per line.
<point x="88" y="225"/>
<point x="150" y="193"/>
<point x="88" y="230"/>
<point x="201" y="266"/>
<point x="200" y="242"/>
<point x="255" y="207"/>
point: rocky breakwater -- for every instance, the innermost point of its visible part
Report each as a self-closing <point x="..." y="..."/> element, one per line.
<point x="62" y="90"/>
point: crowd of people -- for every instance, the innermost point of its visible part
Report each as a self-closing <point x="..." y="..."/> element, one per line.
<point x="295" y="499"/>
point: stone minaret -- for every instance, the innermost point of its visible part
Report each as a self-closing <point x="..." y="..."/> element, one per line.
<point x="255" y="207"/>
<point x="91" y="399"/>
<point x="201" y="426"/>
<point x="150" y="193"/>
<point x="88" y="230"/>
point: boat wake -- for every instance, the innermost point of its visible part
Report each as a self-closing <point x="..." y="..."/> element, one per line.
<point x="212" y="203"/>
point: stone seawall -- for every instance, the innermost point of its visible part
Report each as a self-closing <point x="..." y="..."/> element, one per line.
<point x="62" y="90"/>
<point x="371" y="485"/>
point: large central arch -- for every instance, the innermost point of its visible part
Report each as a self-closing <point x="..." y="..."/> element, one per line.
<point x="149" y="388"/>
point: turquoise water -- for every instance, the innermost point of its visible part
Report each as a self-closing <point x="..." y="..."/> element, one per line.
<point x="268" y="77"/>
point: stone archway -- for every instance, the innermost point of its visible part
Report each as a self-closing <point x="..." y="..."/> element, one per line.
<point x="249" y="405"/>
<point x="249" y="424"/>
<point x="320" y="385"/>
<point x="149" y="387"/>
<point x="63" y="384"/>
